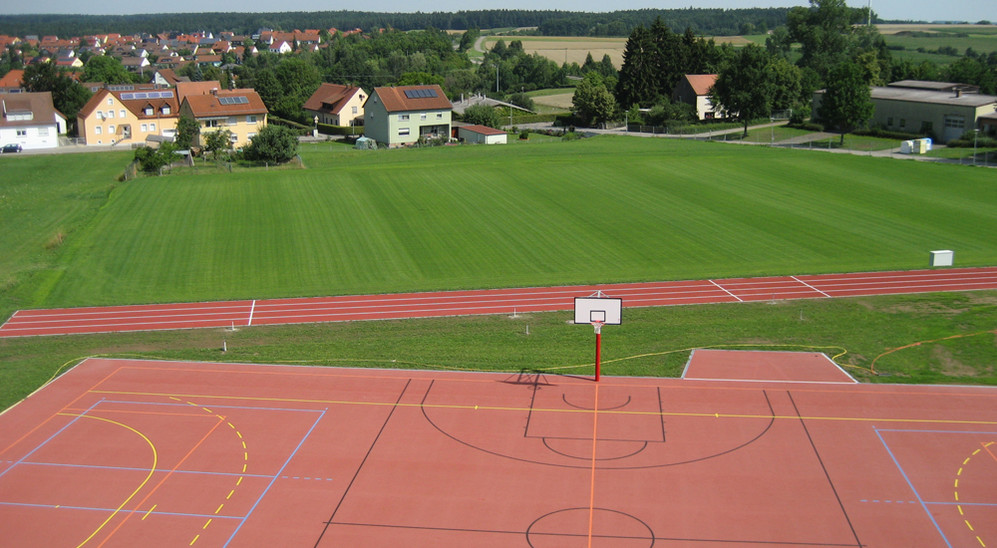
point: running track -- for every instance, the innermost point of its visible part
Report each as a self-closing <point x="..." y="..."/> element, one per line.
<point x="495" y="301"/>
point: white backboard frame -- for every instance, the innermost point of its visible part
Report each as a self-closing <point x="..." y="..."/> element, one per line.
<point x="607" y="310"/>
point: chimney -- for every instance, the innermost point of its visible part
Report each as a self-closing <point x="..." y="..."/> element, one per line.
<point x="214" y="91"/>
<point x="958" y="92"/>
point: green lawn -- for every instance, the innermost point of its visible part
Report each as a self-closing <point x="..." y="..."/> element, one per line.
<point x="598" y="210"/>
<point x="542" y="212"/>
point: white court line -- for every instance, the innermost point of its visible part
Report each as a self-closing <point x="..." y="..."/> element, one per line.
<point x="251" y="310"/>
<point x="722" y="288"/>
<point x="810" y="286"/>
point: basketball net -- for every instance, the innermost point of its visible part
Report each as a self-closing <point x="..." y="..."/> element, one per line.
<point x="598" y="327"/>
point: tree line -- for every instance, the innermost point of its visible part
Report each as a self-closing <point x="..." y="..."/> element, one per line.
<point x="717" y="22"/>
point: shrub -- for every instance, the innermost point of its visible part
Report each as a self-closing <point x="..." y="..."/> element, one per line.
<point x="152" y="160"/>
<point x="273" y="144"/>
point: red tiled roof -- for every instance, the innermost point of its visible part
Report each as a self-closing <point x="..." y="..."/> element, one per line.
<point x="395" y="100"/>
<point x="701" y="83"/>
<point x="208" y="106"/>
<point x="330" y="98"/>
<point x="483" y="130"/>
<point x="13" y="79"/>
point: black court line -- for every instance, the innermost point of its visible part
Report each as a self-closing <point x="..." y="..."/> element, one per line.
<point x="824" y="468"/>
<point x="363" y="462"/>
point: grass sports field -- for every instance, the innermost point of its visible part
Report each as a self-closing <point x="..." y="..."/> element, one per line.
<point x="596" y="210"/>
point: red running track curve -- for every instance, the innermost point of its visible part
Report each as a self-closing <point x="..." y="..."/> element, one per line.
<point x="479" y="302"/>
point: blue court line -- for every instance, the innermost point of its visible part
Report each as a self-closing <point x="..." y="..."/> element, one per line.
<point x="279" y="472"/>
<point x="107" y="510"/>
<point x="50" y="438"/>
<point x="912" y="488"/>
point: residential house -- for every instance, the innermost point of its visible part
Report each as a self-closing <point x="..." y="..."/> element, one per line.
<point x="942" y="110"/>
<point x="167" y="78"/>
<point x="694" y="89"/>
<point x="336" y="104"/>
<point x="281" y="47"/>
<point x="240" y="111"/>
<point x="12" y="81"/>
<point x="30" y="120"/>
<point x="396" y="116"/>
<point x="113" y="117"/>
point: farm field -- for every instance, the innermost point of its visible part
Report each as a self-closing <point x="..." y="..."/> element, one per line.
<point x="574" y="49"/>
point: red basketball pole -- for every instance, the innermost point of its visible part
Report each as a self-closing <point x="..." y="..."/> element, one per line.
<point x="598" y="351"/>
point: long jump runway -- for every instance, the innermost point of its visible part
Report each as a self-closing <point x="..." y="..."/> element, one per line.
<point x="789" y="452"/>
<point x="498" y="301"/>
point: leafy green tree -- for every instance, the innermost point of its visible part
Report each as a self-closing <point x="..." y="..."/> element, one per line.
<point x="824" y="31"/>
<point x="218" y="141"/>
<point x="468" y="38"/>
<point x="68" y="95"/>
<point x="846" y="103"/>
<point x="420" y="79"/>
<point x="745" y="88"/>
<point x="153" y="159"/>
<point x="107" y="69"/>
<point x="483" y="115"/>
<point x="273" y="144"/>
<point x="592" y="101"/>
<point x="187" y="131"/>
<point x="522" y="100"/>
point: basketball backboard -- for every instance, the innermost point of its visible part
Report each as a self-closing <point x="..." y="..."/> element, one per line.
<point x="598" y="309"/>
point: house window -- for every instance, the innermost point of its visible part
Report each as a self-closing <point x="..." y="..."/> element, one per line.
<point x="422" y="116"/>
<point x="110" y="101"/>
<point x="439" y="115"/>
<point x="110" y="129"/>
<point x="903" y="122"/>
<point x="122" y="113"/>
<point x="403" y="117"/>
<point x="152" y="126"/>
<point x="211" y="123"/>
<point x="166" y="109"/>
<point x="355" y="110"/>
<point x="250" y="136"/>
<point x="251" y="119"/>
<point x="233" y="138"/>
<point x="98" y="129"/>
<point x="22" y="133"/>
<point x="100" y="114"/>
<point x="403" y="131"/>
<point x="148" y="111"/>
<point x="145" y="128"/>
<point x="110" y="114"/>
<point x="232" y="120"/>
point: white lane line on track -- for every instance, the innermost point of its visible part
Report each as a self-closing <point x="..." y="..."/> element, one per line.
<point x="722" y="288"/>
<point x="810" y="286"/>
<point x="251" y="310"/>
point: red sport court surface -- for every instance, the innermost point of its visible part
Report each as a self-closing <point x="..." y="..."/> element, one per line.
<point x="748" y="449"/>
<point x="495" y="301"/>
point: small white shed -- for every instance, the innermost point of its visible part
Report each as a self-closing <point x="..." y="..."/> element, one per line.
<point x="482" y="134"/>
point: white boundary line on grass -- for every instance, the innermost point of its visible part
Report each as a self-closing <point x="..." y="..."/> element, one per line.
<point x="251" y="310"/>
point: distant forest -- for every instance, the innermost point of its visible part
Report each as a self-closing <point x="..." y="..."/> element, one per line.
<point x="713" y="22"/>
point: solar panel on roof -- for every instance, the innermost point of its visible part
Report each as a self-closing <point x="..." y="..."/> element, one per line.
<point x="420" y="93"/>
<point x="237" y="100"/>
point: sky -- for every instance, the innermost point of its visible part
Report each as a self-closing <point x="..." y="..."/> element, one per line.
<point x="915" y="10"/>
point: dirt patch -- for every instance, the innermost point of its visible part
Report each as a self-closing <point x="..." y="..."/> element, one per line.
<point x="561" y="100"/>
<point x="893" y="29"/>
<point x="950" y="366"/>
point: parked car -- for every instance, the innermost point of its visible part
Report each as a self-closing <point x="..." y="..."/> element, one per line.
<point x="12" y="147"/>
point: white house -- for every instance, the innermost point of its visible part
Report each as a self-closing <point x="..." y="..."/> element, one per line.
<point x="694" y="89"/>
<point x="30" y="120"/>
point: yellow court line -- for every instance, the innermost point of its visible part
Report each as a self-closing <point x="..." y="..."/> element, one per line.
<point x="155" y="462"/>
<point x="561" y="410"/>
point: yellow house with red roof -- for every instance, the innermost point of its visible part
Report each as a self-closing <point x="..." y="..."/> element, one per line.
<point x="240" y="111"/>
